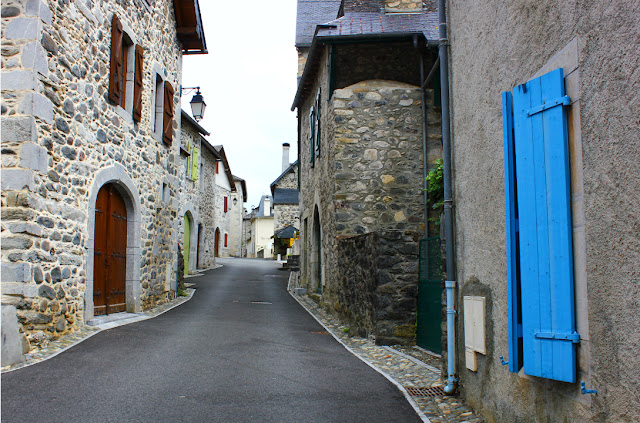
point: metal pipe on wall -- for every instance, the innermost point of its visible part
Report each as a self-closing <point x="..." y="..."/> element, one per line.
<point x="443" y="54"/>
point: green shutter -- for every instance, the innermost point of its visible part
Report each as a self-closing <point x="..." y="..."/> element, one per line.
<point x="312" y="149"/>
<point x="190" y="150"/>
<point x="194" y="163"/>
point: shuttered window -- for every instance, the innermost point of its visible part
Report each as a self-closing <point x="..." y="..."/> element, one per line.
<point x="312" y="138"/>
<point x="542" y="335"/>
<point x="226" y="239"/>
<point x="226" y="204"/>
<point x="117" y="71"/>
<point x="194" y="163"/>
<point x="316" y="123"/>
<point x="137" y="84"/>
<point x="167" y="122"/>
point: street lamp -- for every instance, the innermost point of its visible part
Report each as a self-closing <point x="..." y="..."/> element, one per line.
<point x="197" y="103"/>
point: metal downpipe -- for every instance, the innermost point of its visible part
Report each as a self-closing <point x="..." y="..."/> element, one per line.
<point x="443" y="54"/>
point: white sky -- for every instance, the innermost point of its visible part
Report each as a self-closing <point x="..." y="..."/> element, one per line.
<point x="248" y="81"/>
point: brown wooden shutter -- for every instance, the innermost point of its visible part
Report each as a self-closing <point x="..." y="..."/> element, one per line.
<point x="167" y="124"/>
<point x="137" y="85"/>
<point x="116" y="77"/>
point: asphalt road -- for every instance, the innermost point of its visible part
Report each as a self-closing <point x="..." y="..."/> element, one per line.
<point x="241" y="350"/>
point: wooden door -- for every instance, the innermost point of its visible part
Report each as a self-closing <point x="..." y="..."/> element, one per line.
<point x="110" y="252"/>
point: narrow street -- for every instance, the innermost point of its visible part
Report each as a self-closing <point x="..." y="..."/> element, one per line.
<point x="242" y="350"/>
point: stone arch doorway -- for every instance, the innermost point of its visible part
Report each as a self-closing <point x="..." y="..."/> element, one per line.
<point x="117" y="177"/>
<point x="316" y="253"/>
<point x="216" y="245"/>
<point x="188" y="224"/>
<point x="110" y="252"/>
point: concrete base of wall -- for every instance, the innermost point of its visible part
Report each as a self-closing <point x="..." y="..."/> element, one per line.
<point x="12" y="350"/>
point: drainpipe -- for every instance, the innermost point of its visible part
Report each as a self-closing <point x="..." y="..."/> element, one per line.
<point x="443" y="55"/>
<point x="424" y="136"/>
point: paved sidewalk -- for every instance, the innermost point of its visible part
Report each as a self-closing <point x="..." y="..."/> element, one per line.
<point x="415" y="371"/>
<point x="54" y="347"/>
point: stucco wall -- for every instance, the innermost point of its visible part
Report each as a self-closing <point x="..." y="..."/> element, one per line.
<point x="494" y="47"/>
<point x="58" y="132"/>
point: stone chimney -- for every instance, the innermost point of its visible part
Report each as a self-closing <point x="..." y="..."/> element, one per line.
<point x="402" y="6"/>
<point x="285" y="156"/>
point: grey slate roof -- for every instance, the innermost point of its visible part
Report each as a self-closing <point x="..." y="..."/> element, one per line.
<point x="285" y="196"/>
<point x="380" y="23"/>
<point x="261" y="207"/>
<point x="287" y="232"/>
<point x="287" y="170"/>
<point x="312" y="13"/>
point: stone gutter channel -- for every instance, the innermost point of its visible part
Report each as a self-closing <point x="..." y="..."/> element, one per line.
<point x="413" y="370"/>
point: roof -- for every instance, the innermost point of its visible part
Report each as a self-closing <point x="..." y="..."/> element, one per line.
<point x="193" y="122"/>
<point x="285" y="196"/>
<point x="244" y="187"/>
<point x="225" y="164"/>
<point x="287" y="232"/>
<point x="311" y="13"/>
<point x="362" y="23"/>
<point x="189" y="27"/>
<point x="287" y="170"/>
<point x="261" y="207"/>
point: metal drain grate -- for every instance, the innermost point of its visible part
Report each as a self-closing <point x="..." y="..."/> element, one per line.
<point x="434" y="391"/>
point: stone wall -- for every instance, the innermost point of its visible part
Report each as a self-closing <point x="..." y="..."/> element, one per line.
<point x="376" y="293"/>
<point x="208" y="209"/>
<point x="236" y="240"/>
<point x="221" y="218"/>
<point x="189" y="191"/>
<point x="285" y="215"/>
<point x="62" y="139"/>
<point x="494" y="50"/>
<point x="378" y="161"/>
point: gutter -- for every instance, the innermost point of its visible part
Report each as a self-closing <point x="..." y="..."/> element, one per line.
<point x="443" y="54"/>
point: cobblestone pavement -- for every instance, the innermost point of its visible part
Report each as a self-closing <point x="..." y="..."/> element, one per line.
<point x="414" y="370"/>
<point x="54" y="347"/>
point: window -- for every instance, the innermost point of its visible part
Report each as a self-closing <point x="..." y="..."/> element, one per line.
<point x="194" y="163"/>
<point x="314" y="130"/>
<point x="125" y="78"/>
<point x="217" y="167"/>
<point x="167" y="122"/>
<point x="226" y="240"/>
<point x="158" y="107"/>
<point x="542" y="335"/>
<point x="226" y="204"/>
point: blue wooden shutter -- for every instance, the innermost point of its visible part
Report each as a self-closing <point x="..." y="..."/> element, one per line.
<point x="544" y="221"/>
<point x="316" y="121"/>
<point x="513" y="270"/>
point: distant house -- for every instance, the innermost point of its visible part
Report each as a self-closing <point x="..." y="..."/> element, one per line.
<point x="236" y="217"/>
<point x="286" y="210"/>
<point x="260" y="244"/>
<point x="369" y="129"/>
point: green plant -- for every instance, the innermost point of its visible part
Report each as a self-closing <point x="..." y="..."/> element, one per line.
<point x="345" y="330"/>
<point x="182" y="293"/>
<point x="435" y="188"/>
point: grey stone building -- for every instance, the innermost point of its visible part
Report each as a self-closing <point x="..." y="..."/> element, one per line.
<point x="588" y="53"/>
<point x="286" y="209"/>
<point x="237" y="246"/>
<point x="90" y="95"/>
<point x="369" y="128"/>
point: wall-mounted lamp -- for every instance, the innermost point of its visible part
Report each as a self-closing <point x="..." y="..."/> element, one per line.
<point x="197" y="102"/>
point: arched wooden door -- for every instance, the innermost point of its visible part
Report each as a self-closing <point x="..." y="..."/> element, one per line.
<point x="216" y="246"/>
<point x="110" y="252"/>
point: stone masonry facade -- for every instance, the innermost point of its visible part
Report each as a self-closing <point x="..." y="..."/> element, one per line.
<point x="63" y="139"/>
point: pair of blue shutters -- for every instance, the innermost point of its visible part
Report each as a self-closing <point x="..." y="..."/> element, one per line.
<point x="542" y="335"/>
<point x="314" y="130"/>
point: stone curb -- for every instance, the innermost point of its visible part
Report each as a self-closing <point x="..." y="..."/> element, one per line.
<point x="61" y="345"/>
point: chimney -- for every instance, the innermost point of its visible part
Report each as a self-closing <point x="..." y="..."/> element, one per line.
<point x="285" y="156"/>
<point x="267" y="206"/>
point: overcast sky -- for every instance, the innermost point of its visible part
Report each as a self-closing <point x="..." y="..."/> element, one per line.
<point x="248" y="81"/>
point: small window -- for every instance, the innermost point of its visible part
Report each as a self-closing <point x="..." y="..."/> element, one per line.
<point x="126" y="73"/>
<point x="226" y="240"/>
<point x="217" y="167"/>
<point x="158" y="107"/>
<point x="226" y="203"/>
